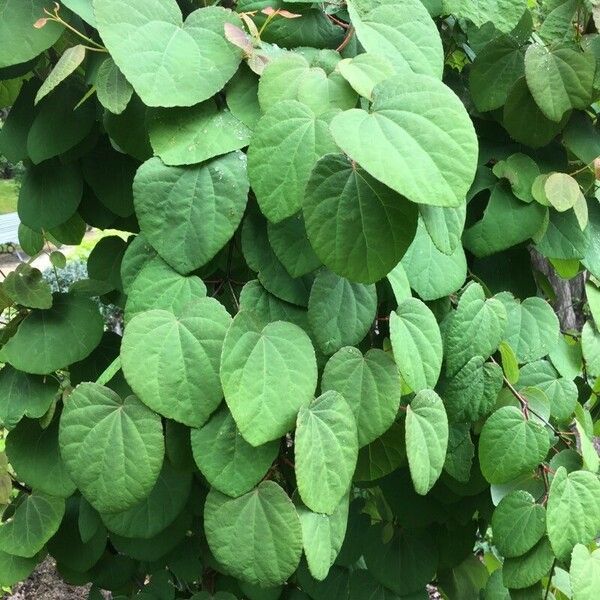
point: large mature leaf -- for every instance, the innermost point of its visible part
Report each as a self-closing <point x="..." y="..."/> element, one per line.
<point x="564" y="238"/>
<point x="19" y="40"/>
<point x="16" y="568"/>
<point x="113" y="449"/>
<point x="431" y="273"/>
<point x="382" y="456"/>
<point x="378" y="225"/>
<point x="444" y="225"/>
<point x="391" y="141"/>
<point x="186" y="136"/>
<point x="229" y="463"/>
<point x="371" y="386"/>
<point x="22" y="395"/>
<point x="559" y="79"/>
<point x="179" y="377"/>
<point x="48" y="340"/>
<point x="49" y="195"/>
<point x="518" y="523"/>
<point x="459" y="456"/>
<point x="34" y="454"/>
<point x="585" y="573"/>
<point x="402" y="31"/>
<point x="34" y="522"/>
<point x="365" y="71"/>
<point x="417" y="344"/>
<point x="289" y="140"/>
<point x="426" y="439"/>
<point x="590" y="345"/>
<point x="322" y="536"/>
<point x="113" y="90"/>
<point x="326" y="450"/>
<point x="523" y="571"/>
<point x="573" y="512"/>
<point x="268" y="372"/>
<point x="340" y="313"/>
<point x="168" y="62"/>
<point x="504" y="14"/>
<point x="511" y="445"/>
<point x="26" y="286"/>
<point x="257" y="537"/>
<point x="189" y="214"/>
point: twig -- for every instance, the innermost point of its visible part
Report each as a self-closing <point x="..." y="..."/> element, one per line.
<point x="346" y="39"/>
<point x="550" y="579"/>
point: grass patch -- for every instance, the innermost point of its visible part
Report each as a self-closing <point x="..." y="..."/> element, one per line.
<point x="9" y="192"/>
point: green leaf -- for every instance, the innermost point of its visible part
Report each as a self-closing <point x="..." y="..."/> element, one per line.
<point x="229" y="463"/>
<point x="521" y="172"/>
<point x="157" y="286"/>
<point x="257" y="537"/>
<point x="19" y="40"/>
<point x="431" y="273"/>
<point x="504" y="14"/>
<point x="326" y="451"/>
<point x="340" y="313"/>
<point x="371" y="386"/>
<point x="444" y="225"/>
<point x="16" y="568"/>
<point x="157" y="511"/>
<point x="378" y="227"/>
<point x="365" y="71"/>
<point x="459" y="457"/>
<point x="268" y="373"/>
<point x="426" y="439"/>
<point x="518" y="523"/>
<point x="26" y="286"/>
<point x="510" y="365"/>
<point x="399" y="283"/>
<point x="524" y="571"/>
<point x="24" y="395"/>
<point x="189" y="213"/>
<point x="48" y="340"/>
<point x="402" y="120"/>
<point x="382" y="456"/>
<point x="417" y="344"/>
<point x="34" y="455"/>
<point x="591" y="460"/>
<point x="585" y="573"/>
<point x="402" y="32"/>
<point x="113" y="449"/>
<point x="562" y="191"/>
<point x="494" y="72"/>
<point x="83" y="8"/>
<point x="564" y="238"/>
<point x="137" y="255"/>
<point x="510" y="445"/>
<point x="322" y="536"/>
<point x="185" y="365"/>
<point x="559" y="79"/>
<point x="34" y="522"/>
<point x="113" y="90"/>
<point x="242" y="97"/>
<point x="573" y="514"/>
<point x="49" y="195"/>
<point x="65" y="66"/>
<point x="289" y="140"/>
<point x="162" y="56"/>
<point x="186" y="136"/>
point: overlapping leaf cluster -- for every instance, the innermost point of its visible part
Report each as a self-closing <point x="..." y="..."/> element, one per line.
<point x="339" y="370"/>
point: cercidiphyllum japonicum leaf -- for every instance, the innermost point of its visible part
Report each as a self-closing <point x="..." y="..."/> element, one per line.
<point x="524" y="571"/>
<point x="378" y="224"/>
<point x="562" y="191"/>
<point x="268" y="372"/>
<point x="157" y="511"/>
<point x="559" y="79"/>
<point x="186" y="136"/>
<point x="511" y="445"/>
<point x="370" y="384"/>
<point x="400" y="30"/>
<point x="52" y="339"/>
<point x="326" y="450"/>
<point x="585" y="572"/>
<point x="16" y="568"/>
<point x="460" y="453"/>
<point x="229" y="463"/>
<point x="34" y="455"/>
<point x="426" y="439"/>
<point x="113" y="90"/>
<point x="288" y="141"/>
<point x="364" y="71"/>
<point x="476" y="328"/>
<point x="444" y="225"/>
<point x="113" y="448"/>
<point x="335" y="585"/>
<point x="340" y="313"/>
<point x="573" y="513"/>
<point x="169" y="61"/>
<point x="241" y="94"/>
<point x="521" y="171"/>
<point x="322" y="536"/>
<point x="564" y="239"/>
<point x="189" y="213"/>
<point x="26" y="286"/>
<point x="504" y="14"/>
<point x="137" y="255"/>
<point x="256" y="537"/>
<point x="399" y="283"/>
<point x="518" y="523"/>
<point x="532" y="328"/>
<point x="22" y="395"/>
<point x="390" y="141"/>
<point x="65" y="66"/>
<point x="382" y="456"/>
<point x="417" y="344"/>
<point x="158" y="286"/>
<point x="431" y="273"/>
<point x="178" y="378"/>
<point x="49" y="195"/>
<point x="33" y="523"/>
